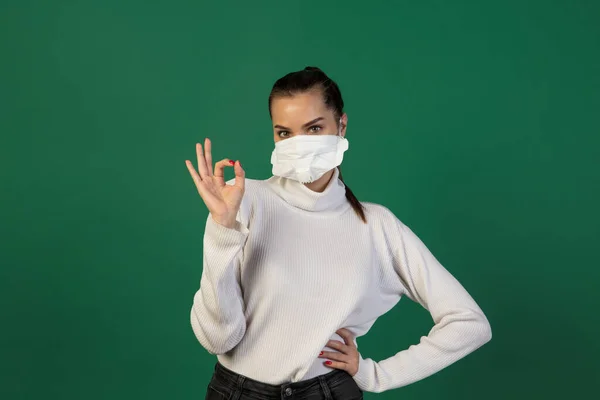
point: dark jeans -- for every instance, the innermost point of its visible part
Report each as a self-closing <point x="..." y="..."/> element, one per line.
<point x="335" y="385"/>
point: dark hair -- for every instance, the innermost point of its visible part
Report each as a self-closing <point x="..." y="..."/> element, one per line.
<point x="311" y="78"/>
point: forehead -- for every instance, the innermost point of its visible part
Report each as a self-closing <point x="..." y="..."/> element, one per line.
<point x="298" y="108"/>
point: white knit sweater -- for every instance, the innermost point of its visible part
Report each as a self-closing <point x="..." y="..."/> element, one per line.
<point x="299" y="265"/>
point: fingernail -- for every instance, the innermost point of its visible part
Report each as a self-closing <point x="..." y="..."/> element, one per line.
<point x="328" y="362"/>
<point x="321" y="353"/>
<point x="231" y="162"/>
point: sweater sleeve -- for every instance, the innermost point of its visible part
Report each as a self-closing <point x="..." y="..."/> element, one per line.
<point x="460" y="325"/>
<point x="217" y="314"/>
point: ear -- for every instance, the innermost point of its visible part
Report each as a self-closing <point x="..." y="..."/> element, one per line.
<point x="343" y="124"/>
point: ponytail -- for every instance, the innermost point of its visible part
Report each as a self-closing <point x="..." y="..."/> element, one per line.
<point x="358" y="207"/>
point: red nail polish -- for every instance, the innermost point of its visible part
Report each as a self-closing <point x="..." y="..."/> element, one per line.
<point x="321" y="353"/>
<point x="328" y="362"/>
<point x="231" y="162"/>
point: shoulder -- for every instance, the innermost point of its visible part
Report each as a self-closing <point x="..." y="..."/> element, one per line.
<point x="384" y="220"/>
<point x="379" y="214"/>
<point x="393" y="229"/>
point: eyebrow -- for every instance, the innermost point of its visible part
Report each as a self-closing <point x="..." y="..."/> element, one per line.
<point x="309" y="123"/>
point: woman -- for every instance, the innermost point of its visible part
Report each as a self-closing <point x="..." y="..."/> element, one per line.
<point x="296" y="268"/>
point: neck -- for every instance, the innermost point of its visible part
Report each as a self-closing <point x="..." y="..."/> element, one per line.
<point x="326" y="195"/>
<point x="320" y="184"/>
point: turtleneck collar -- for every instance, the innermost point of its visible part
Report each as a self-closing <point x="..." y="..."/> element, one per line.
<point x="333" y="198"/>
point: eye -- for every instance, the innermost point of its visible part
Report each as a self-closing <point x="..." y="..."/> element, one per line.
<point x="314" y="128"/>
<point x="283" y="134"/>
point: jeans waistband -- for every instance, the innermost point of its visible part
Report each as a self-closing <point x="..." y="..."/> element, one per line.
<point x="233" y="379"/>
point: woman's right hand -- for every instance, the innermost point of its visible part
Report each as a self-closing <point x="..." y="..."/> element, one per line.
<point x="223" y="201"/>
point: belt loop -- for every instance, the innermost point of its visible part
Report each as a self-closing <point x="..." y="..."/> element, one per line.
<point x="325" y="388"/>
<point x="239" y="387"/>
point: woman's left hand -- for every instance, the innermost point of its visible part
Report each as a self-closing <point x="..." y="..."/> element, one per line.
<point x="347" y="358"/>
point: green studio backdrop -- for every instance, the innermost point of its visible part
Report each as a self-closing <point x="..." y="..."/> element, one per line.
<point x="476" y="123"/>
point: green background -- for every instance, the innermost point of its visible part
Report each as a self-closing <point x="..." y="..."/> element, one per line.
<point x="475" y="122"/>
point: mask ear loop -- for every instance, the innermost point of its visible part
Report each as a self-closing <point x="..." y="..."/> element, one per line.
<point x="340" y="130"/>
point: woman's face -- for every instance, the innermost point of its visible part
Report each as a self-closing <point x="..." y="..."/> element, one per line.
<point x="303" y="114"/>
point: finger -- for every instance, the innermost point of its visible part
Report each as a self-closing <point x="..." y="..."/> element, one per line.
<point x="220" y="167"/>
<point x="347" y="336"/>
<point x="197" y="179"/>
<point x="240" y="175"/>
<point x="335" y="356"/>
<point x="201" y="162"/>
<point x="336" y="365"/>
<point x="208" y="156"/>
<point x="337" y="345"/>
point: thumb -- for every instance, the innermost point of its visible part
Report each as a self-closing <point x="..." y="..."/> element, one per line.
<point x="240" y="175"/>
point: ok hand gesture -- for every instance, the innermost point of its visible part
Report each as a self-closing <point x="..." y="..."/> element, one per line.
<point x="223" y="201"/>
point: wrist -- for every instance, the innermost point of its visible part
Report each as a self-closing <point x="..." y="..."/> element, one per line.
<point x="227" y="222"/>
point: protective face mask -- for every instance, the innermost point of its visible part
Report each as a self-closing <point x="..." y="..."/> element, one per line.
<point x="306" y="158"/>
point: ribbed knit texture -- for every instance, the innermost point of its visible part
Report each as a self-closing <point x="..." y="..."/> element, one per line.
<point x="299" y="265"/>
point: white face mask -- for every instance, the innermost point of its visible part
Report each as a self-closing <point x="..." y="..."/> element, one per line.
<point x="306" y="158"/>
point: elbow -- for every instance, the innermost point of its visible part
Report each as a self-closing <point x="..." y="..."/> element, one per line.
<point x="485" y="335"/>
<point x="217" y="339"/>
<point x="483" y="331"/>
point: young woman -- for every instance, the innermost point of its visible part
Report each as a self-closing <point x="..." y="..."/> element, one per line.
<point x="296" y="268"/>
